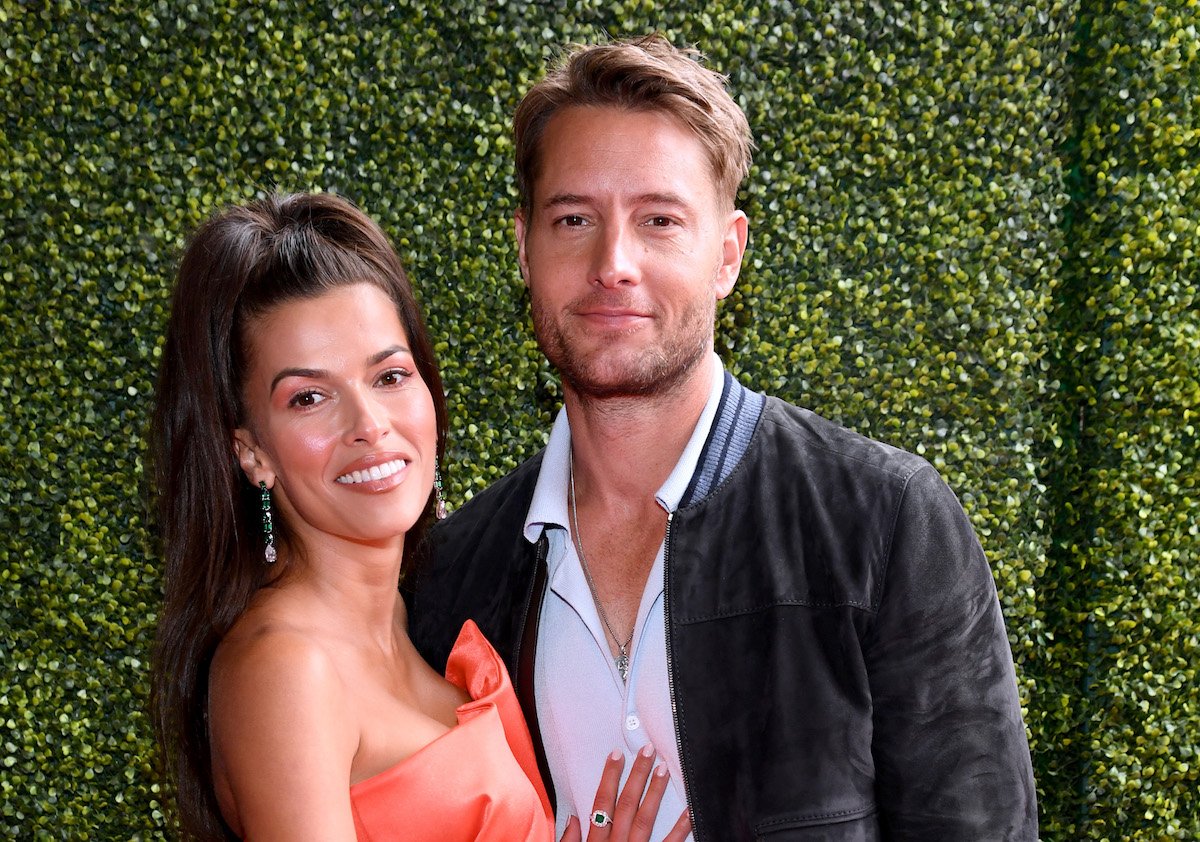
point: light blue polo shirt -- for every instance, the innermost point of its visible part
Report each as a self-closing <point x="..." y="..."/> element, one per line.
<point x="584" y="709"/>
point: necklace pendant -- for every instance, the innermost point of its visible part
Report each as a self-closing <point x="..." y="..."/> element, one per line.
<point x="623" y="666"/>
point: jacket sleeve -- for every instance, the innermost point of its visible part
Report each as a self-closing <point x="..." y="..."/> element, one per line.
<point x="951" y="755"/>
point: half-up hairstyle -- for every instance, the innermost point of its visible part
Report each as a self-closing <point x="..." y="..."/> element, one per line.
<point x="237" y="267"/>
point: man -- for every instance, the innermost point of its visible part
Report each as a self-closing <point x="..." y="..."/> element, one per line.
<point x="800" y="620"/>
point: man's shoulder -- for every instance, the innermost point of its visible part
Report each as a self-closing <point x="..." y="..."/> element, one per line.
<point x="802" y="434"/>
<point x="502" y="505"/>
<point x="473" y="568"/>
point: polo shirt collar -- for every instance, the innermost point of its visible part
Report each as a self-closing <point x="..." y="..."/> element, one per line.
<point x="548" y="508"/>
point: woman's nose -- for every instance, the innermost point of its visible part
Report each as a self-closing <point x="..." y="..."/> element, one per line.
<point x="366" y="420"/>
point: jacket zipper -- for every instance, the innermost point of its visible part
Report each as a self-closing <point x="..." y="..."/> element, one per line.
<point x="526" y="696"/>
<point x="539" y="558"/>
<point x="683" y="766"/>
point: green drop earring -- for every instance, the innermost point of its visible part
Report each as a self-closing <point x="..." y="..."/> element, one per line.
<point x="268" y="527"/>
<point x="439" y="506"/>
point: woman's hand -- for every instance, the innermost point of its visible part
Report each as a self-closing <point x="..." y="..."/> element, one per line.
<point x="631" y="815"/>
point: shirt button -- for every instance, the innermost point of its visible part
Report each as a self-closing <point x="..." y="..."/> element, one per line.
<point x="632" y="723"/>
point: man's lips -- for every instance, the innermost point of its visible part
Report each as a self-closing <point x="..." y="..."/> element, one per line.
<point x="611" y="317"/>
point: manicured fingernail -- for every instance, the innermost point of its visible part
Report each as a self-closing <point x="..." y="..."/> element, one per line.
<point x="647" y="750"/>
<point x="660" y="771"/>
<point x="615" y="754"/>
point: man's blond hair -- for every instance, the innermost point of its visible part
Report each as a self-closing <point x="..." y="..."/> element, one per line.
<point x="642" y="74"/>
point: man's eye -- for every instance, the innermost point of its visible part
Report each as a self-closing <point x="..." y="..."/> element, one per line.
<point x="572" y="220"/>
<point x="660" y="221"/>
<point x="306" y="399"/>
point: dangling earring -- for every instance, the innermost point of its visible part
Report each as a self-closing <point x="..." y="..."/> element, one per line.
<point x="268" y="528"/>
<point x="439" y="508"/>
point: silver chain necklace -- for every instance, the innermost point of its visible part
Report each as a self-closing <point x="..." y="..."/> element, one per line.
<point x="622" y="660"/>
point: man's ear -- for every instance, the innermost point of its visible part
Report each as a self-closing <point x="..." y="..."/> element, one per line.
<point x="733" y="248"/>
<point x="254" y="463"/>
<point x="519" y="226"/>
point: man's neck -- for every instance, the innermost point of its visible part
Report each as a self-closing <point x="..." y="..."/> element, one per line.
<point x="626" y="447"/>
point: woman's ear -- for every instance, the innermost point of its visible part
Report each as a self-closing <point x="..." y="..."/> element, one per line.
<point x="254" y="463"/>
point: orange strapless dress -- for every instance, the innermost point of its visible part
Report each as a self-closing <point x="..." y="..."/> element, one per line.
<point x="478" y="781"/>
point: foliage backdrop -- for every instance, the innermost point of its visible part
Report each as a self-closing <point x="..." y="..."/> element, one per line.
<point x="974" y="235"/>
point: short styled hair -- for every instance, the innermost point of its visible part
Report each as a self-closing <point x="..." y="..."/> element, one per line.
<point x="642" y="74"/>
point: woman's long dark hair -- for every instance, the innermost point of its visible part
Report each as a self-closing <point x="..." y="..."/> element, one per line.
<point x="238" y="266"/>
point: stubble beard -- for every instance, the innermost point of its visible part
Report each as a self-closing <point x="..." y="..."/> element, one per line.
<point x="603" y="374"/>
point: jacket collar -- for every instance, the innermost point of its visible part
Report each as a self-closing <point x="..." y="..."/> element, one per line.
<point x="732" y="429"/>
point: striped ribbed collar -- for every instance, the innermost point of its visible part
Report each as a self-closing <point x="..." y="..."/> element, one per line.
<point x="732" y="429"/>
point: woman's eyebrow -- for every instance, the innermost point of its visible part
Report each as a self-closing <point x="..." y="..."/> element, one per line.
<point x="317" y="373"/>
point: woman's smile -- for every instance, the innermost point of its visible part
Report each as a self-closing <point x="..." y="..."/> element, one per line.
<point x="372" y="475"/>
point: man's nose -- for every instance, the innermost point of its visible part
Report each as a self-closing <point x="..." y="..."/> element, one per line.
<point x="616" y="258"/>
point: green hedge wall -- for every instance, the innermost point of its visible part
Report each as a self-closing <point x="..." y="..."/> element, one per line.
<point x="1130" y="355"/>
<point x="973" y="234"/>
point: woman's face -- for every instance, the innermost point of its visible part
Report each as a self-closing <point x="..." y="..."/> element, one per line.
<point x="340" y="424"/>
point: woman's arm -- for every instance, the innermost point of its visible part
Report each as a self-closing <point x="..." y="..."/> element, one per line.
<point x="282" y="741"/>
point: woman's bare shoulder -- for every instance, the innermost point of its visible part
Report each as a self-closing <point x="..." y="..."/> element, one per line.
<point x="279" y="713"/>
<point x="273" y="652"/>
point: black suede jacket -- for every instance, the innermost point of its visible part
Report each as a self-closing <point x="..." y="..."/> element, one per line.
<point x="837" y="658"/>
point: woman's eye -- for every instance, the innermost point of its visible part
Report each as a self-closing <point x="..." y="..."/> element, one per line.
<point x="306" y="399"/>
<point x="394" y="377"/>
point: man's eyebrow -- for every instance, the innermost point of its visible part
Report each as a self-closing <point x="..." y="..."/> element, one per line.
<point x="651" y="198"/>
<point x="560" y="199"/>
<point x="317" y="373"/>
<point x="660" y="199"/>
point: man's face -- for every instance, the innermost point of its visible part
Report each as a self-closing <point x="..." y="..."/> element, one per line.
<point x="626" y="250"/>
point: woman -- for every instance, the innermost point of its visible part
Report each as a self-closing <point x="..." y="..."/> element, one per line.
<point x="297" y="436"/>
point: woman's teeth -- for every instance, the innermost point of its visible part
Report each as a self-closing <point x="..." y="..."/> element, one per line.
<point x="374" y="472"/>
